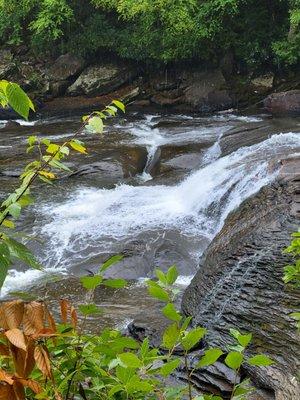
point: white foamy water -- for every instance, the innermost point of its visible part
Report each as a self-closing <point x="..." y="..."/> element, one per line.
<point x="95" y="220"/>
<point x="196" y="206"/>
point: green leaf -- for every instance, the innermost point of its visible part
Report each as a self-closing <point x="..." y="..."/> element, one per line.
<point x="32" y="140"/>
<point x="171" y="313"/>
<point x="119" y="104"/>
<point x="25" y="200"/>
<point x="234" y="359"/>
<point x="89" y="309"/>
<point x="161" y="276"/>
<point x="18" y="250"/>
<point x="78" y="147"/>
<point x="52" y="148"/>
<point x="95" y="125"/>
<point x="172" y="275"/>
<point x="192" y="338"/>
<point x="5" y="262"/>
<point x="14" y="210"/>
<point x="130" y="360"/>
<point x="169" y="367"/>
<point x="111" y="261"/>
<point x="260" y="360"/>
<point x="171" y="336"/>
<point x="159" y="293"/>
<point x="8" y="223"/>
<point x="210" y="357"/>
<point x="18" y="100"/>
<point x="115" y="283"/>
<point x="91" y="282"/>
<point x="243" y="339"/>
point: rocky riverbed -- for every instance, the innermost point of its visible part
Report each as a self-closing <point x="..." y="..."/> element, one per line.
<point x="214" y="194"/>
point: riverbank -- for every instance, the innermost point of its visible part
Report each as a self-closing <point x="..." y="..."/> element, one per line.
<point x="70" y="85"/>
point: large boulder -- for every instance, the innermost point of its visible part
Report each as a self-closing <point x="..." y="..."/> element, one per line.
<point x="65" y="67"/>
<point x="101" y="78"/>
<point x="283" y="103"/>
<point x="206" y="91"/>
<point x="193" y="90"/>
<point x="239" y="283"/>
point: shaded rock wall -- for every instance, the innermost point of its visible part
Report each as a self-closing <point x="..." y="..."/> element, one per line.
<point x="239" y="283"/>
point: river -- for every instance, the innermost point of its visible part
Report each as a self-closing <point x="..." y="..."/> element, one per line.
<point x="155" y="188"/>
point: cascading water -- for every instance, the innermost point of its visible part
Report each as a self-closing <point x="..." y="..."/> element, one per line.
<point x="93" y="223"/>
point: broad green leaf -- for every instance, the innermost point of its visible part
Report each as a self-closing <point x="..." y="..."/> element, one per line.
<point x="91" y="282"/>
<point x="89" y="309"/>
<point x="172" y="275"/>
<point x="234" y="359"/>
<point x="95" y="125"/>
<point x="8" y="223"/>
<point x="161" y="276"/>
<point x="130" y="360"/>
<point x="25" y="200"/>
<point x="169" y="367"/>
<point x="32" y="140"/>
<point x="78" y="147"/>
<point x="159" y="293"/>
<point x="18" y="250"/>
<point x="243" y="339"/>
<point x="18" y="100"/>
<point x="14" y="210"/>
<point x="5" y="261"/>
<point x="171" y="313"/>
<point x="115" y="283"/>
<point x="119" y="104"/>
<point x="260" y="360"/>
<point x="111" y="261"/>
<point x="171" y="336"/>
<point x="192" y="338"/>
<point x="210" y="357"/>
<point x="52" y="148"/>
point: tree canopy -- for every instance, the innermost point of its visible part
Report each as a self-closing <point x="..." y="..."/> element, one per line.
<point x="262" y="33"/>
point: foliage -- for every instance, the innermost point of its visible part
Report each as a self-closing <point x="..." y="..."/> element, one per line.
<point x="45" y="168"/>
<point x="42" y="359"/>
<point x="261" y="32"/>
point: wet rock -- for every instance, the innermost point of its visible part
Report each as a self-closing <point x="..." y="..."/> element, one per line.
<point x="239" y="283"/>
<point x="65" y="67"/>
<point x="255" y="132"/>
<point x="101" y="78"/>
<point x="283" y="103"/>
<point x="206" y="91"/>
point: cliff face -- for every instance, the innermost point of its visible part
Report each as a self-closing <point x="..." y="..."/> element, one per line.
<point x="239" y="283"/>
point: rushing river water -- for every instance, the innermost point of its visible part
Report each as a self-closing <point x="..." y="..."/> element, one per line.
<point x="154" y="188"/>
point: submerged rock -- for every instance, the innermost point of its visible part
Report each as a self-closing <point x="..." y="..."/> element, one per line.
<point x="239" y="283"/>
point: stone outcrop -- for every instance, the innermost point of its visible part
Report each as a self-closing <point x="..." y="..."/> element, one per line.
<point x="239" y="283"/>
<point x="192" y="89"/>
<point x="283" y="103"/>
<point x="101" y="78"/>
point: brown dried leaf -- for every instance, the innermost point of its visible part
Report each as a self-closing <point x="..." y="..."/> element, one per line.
<point x="34" y="317"/>
<point x="11" y="314"/>
<point x="6" y="377"/>
<point x="7" y="392"/>
<point x="57" y="395"/>
<point x="17" y="338"/>
<point x="4" y="350"/>
<point x="42" y="360"/>
<point x="19" y="390"/>
<point x="50" y="319"/>
<point x="74" y="317"/>
<point x="29" y="361"/>
<point x="64" y="307"/>
<point x="32" y="384"/>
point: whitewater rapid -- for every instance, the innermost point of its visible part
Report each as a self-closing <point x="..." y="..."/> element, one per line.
<point x="92" y="221"/>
